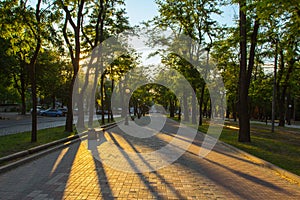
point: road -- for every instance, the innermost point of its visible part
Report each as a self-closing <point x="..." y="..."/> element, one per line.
<point x="74" y="173"/>
<point x="14" y="123"/>
<point x="13" y="126"/>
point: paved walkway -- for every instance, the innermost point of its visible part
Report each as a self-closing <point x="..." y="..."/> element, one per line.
<point x="73" y="173"/>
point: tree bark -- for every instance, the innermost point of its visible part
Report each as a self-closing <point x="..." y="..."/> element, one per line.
<point x="201" y="105"/>
<point x="102" y="97"/>
<point x="172" y="107"/>
<point x="33" y="73"/>
<point x="244" y="131"/>
<point x="69" y="119"/>
<point x="245" y="73"/>
<point x="111" y="110"/>
<point x="185" y="107"/>
<point x="282" y="101"/>
<point x="23" y="92"/>
<point x="194" y="109"/>
<point x="274" y="87"/>
<point x="75" y="54"/>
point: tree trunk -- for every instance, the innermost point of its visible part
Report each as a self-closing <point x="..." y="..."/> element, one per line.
<point x="200" y="105"/>
<point x="185" y="107"/>
<point x="289" y="109"/>
<point x="92" y="99"/>
<point x="244" y="124"/>
<point x="33" y="72"/>
<point x="282" y="109"/>
<point x="122" y="96"/>
<point x="228" y="111"/>
<point x="106" y="103"/>
<point x="112" y="90"/>
<point x="69" y="119"/>
<point x="172" y="107"/>
<point x="81" y="112"/>
<point x="274" y="87"/>
<point x="179" y="113"/>
<point x="245" y="73"/>
<point x="74" y="53"/>
<point x="34" y="103"/>
<point x="102" y="98"/>
<point x="194" y="109"/>
<point x="23" y="94"/>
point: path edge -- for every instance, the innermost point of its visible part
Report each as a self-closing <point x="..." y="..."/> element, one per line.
<point x="282" y="172"/>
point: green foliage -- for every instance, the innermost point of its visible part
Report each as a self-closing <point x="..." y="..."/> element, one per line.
<point x="53" y="75"/>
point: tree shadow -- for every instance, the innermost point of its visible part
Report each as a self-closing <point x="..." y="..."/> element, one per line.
<point x="201" y="166"/>
<point x="251" y="178"/>
<point x="146" y="182"/>
<point x="45" y="176"/>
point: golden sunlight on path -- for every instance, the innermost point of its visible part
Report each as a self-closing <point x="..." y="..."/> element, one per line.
<point x="73" y="173"/>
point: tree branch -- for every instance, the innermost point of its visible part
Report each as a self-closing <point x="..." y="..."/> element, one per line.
<point x="67" y="39"/>
<point x="85" y="35"/>
<point x="252" y="50"/>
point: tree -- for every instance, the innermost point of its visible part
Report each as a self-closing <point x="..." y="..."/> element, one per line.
<point x="26" y="28"/>
<point x="225" y="54"/>
<point x="194" y="19"/>
<point x="104" y="21"/>
<point x="245" y="71"/>
<point x="282" y="24"/>
<point x="74" y="18"/>
<point x="8" y="93"/>
<point x="52" y="76"/>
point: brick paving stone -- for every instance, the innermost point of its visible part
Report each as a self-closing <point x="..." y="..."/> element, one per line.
<point x="73" y="173"/>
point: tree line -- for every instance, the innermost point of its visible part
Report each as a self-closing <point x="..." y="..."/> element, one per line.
<point x="43" y="43"/>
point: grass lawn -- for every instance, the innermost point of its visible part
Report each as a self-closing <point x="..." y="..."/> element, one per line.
<point x="14" y="143"/>
<point x="281" y="148"/>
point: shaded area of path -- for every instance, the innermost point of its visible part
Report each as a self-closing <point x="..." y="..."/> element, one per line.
<point x="73" y="173"/>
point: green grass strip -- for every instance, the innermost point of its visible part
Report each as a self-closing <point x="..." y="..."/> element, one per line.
<point x="281" y="148"/>
<point x="14" y="143"/>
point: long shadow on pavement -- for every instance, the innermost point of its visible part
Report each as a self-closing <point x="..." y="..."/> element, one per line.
<point x="207" y="168"/>
<point x="45" y="177"/>
<point x="141" y="176"/>
<point x="159" y="176"/>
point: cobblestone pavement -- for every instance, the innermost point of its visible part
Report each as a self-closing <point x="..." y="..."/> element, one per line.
<point x="73" y="173"/>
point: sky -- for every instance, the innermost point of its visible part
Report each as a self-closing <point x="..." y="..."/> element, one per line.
<point x="140" y="10"/>
<point x="143" y="10"/>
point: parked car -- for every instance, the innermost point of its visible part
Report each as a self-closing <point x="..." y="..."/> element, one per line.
<point x="39" y="109"/>
<point x="52" y="113"/>
<point x="64" y="110"/>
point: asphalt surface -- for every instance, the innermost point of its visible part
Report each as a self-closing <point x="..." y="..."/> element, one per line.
<point x="75" y="172"/>
<point x="12" y="123"/>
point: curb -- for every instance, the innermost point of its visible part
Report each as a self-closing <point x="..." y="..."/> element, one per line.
<point x="36" y="152"/>
<point x="286" y="174"/>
